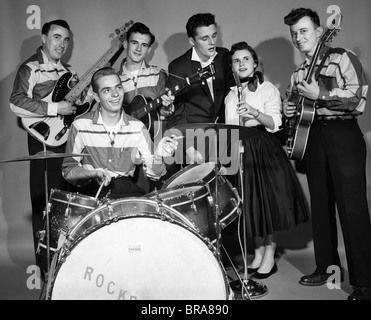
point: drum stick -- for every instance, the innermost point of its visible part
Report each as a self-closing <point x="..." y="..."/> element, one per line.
<point x="99" y="190"/>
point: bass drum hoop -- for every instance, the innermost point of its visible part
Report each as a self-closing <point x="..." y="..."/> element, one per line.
<point x="71" y="241"/>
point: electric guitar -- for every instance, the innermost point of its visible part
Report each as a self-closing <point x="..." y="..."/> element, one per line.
<point x="297" y="127"/>
<point x="53" y="131"/>
<point x="146" y="111"/>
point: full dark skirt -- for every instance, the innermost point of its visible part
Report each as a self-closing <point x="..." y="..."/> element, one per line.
<point x="273" y="199"/>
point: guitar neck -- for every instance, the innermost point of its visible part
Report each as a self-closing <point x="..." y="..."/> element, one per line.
<point x="308" y="78"/>
<point x="294" y="96"/>
<point x="84" y="82"/>
<point x="154" y="104"/>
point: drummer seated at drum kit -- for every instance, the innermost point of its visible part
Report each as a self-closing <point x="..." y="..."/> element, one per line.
<point x="114" y="143"/>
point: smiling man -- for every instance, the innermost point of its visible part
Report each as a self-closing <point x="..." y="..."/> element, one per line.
<point x="140" y="78"/>
<point x="31" y="98"/>
<point x="115" y="142"/>
<point x="335" y="156"/>
<point x="142" y="84"/>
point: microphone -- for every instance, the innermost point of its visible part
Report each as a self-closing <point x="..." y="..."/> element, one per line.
<point x="239" y="91"/>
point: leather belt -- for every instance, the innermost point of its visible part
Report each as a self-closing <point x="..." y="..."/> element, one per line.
<point x="334" y="118"/>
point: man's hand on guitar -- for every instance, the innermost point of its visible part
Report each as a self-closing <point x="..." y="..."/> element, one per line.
<point x="309" y="90"/>
<point x="167" y="105"/>
<point x="66" y="108"/>
<point x="289" y="108"/>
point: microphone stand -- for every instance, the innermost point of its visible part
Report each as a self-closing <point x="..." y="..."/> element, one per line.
<point x="216" y="205"/>
<point x="241" y="151"/>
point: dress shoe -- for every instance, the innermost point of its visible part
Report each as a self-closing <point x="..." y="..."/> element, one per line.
<point x="252" y="289"/>
<point x="259" y="276"/>
<point x="316" y="279"/>
<point x="361" y="293"/>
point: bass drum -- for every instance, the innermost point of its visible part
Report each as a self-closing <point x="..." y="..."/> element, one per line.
<point x="136" y="249"/>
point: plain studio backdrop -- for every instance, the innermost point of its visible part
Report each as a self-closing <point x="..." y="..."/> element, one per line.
<point x="93" y="22"/>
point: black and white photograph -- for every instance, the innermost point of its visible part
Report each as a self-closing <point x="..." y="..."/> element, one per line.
<point x="189" y="154"/>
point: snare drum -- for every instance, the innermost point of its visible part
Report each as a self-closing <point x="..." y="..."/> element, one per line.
<point x="65" y="210"/>
<point x="192" y="200"/>
<point x="140" y="249"/>
<point x="228" y="198"/>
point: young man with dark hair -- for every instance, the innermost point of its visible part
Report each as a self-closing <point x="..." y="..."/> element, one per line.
<point x="137" y="76"/>
<point x="203" y="101"/>
<point x="115" y="142"/>
<point x="143" y="83"/>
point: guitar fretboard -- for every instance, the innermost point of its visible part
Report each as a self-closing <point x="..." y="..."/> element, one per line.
<point x="86" y="78"/>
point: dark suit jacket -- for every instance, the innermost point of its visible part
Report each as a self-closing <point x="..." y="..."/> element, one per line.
<point x="194" y="104"/>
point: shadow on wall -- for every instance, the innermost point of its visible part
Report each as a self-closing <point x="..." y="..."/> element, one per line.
<point x="277" y="62"/>
<point x="176" y="45"/>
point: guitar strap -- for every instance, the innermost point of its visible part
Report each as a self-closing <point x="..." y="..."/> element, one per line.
<point x="318" y="70"/>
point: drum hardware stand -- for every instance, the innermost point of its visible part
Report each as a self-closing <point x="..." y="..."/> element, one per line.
<point x="244" y="282"/>
<point x="244" y="289"/>
<point x="159" y="208"/>
<point x="244" y="215"/>
<point x="47" y="218"/>
<point x="44" y="155"/>
<point x="47" y="232"/>
<point x="216" y="204"/>
<point x="191" y="196"/>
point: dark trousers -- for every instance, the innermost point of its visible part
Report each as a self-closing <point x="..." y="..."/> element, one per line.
<point x="121" y="187"/>
<point x="37" y="189"/>
<point x="335" y="162"/>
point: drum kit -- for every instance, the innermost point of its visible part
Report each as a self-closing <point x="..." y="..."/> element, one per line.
<point x="164" y="245"/>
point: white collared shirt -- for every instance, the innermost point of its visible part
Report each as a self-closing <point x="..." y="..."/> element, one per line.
<point x="195" y="57"/>
<point x="266" y="99"/>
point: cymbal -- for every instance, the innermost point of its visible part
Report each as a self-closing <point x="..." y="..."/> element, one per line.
<point x="243" y="132"/>
<point x="45" y="155"/>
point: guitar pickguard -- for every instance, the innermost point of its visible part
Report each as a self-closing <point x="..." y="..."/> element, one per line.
<point x="53" y="131"/>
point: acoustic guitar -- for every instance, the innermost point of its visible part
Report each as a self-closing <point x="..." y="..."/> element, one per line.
<point x="297" y="128"/>
<point x="145" y="109"/>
